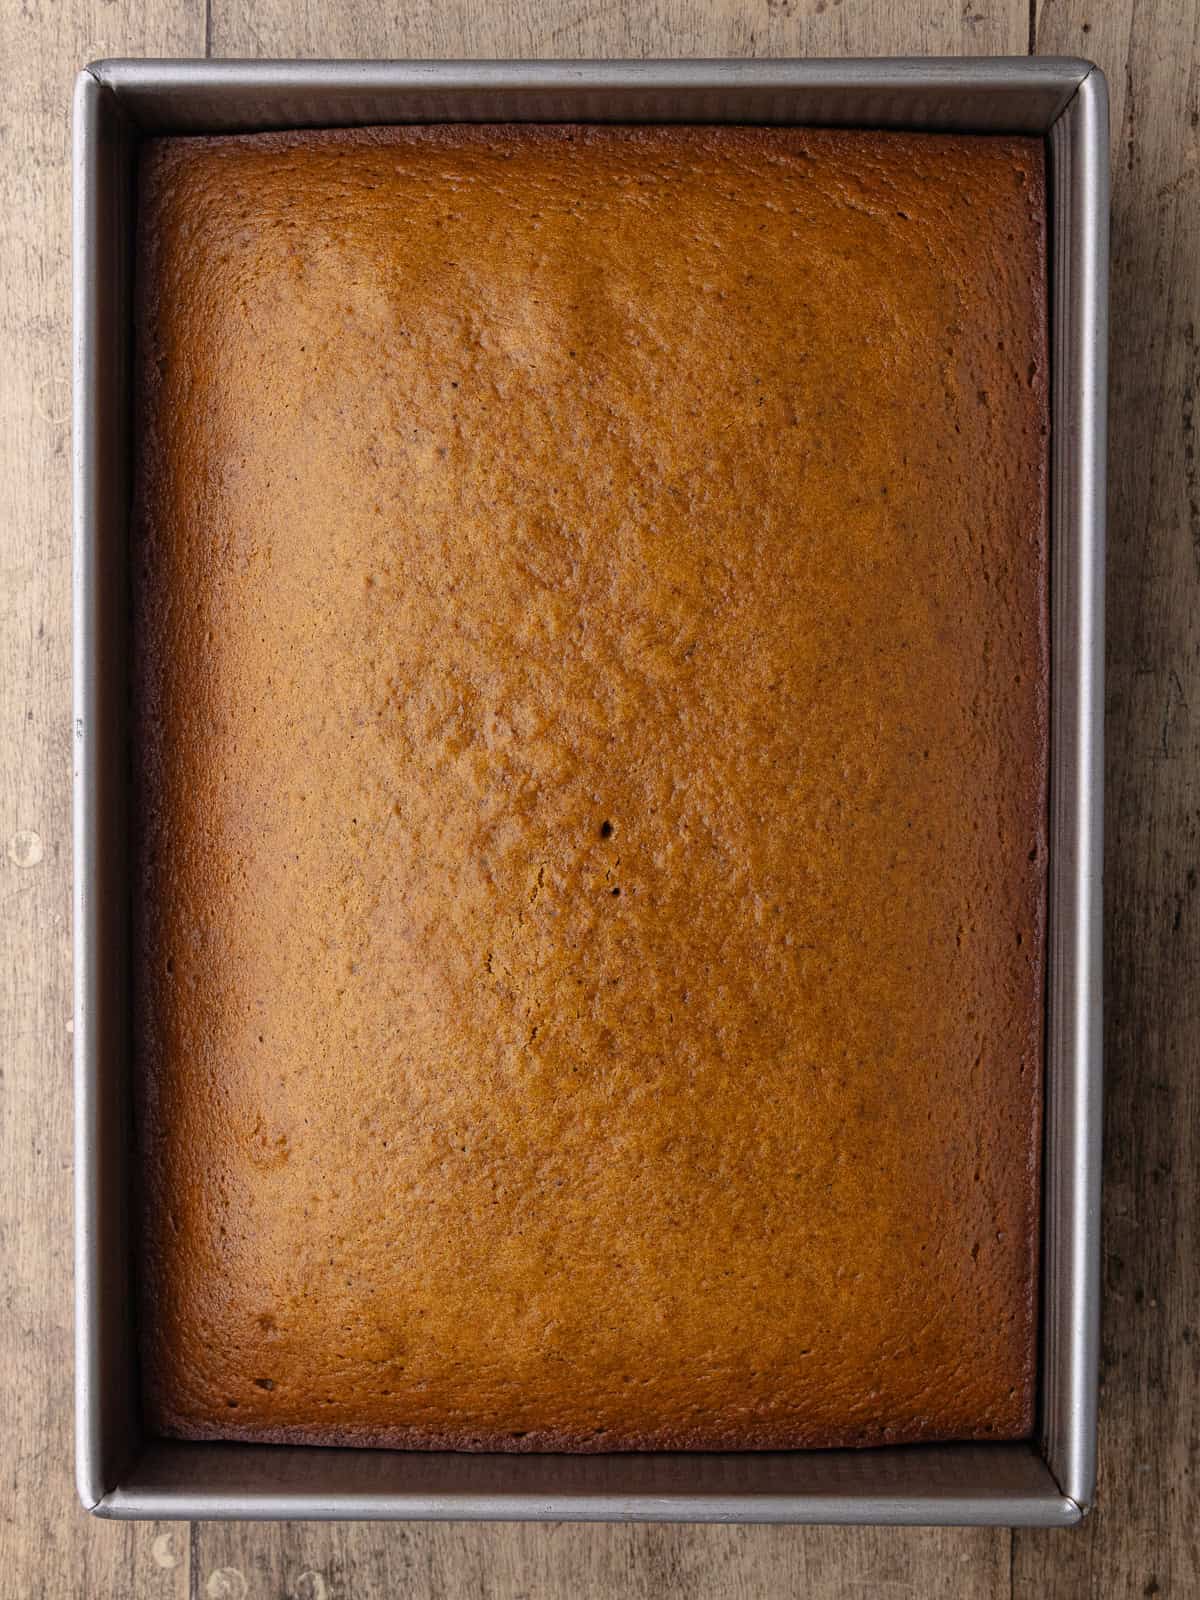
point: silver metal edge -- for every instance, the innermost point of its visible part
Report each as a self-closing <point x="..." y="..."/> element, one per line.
<point x="1030" y="1511"/>
<point x="1071" y="1453"/>
<point x="105" y="1426"/>
<point x="199" y="95"/>
<point x="89" y="1452"/>
<point x="1080" y="166"/>
<point x="129" y="74"/>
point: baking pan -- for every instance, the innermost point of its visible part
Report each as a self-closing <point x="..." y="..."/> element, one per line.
<point x="1048" y="1481"/>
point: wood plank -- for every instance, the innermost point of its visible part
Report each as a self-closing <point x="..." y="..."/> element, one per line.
<point x="344" y="1561"/>
<point x="48" y="1547"/>
<point x="564" y="1560"/>
<point x="566" y="28"/>
<point x="1142" y="1538"/>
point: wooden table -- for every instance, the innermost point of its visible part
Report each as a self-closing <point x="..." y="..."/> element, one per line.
<point x="1143" y="1537"/>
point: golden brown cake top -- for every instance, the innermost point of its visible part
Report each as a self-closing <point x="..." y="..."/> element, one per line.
<point x="592" y="721"/>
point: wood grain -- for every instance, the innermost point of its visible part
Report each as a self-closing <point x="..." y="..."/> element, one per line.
<point x="624" y="29"/>
<point x="446" y="1562"/>
<point x="1143" y="1537"/>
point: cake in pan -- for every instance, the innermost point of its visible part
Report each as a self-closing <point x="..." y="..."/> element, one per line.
<point x="591" y="740"/>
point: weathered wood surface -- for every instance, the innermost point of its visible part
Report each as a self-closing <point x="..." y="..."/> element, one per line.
<point x="1143" y="1537"/>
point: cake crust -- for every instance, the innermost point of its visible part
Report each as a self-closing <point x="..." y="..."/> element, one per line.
<point x="591" y="702"/>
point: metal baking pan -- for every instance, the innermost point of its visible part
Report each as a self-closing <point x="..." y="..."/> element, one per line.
<point x="120" y="1473"/>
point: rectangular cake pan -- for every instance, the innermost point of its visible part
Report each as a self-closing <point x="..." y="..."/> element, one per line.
<point x="121" y="1473"/>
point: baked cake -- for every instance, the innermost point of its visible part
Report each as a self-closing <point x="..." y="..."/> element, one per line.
<point x="591" y="742"/>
